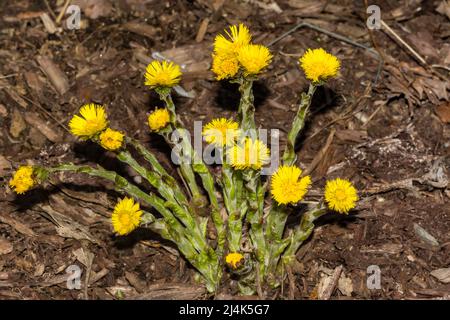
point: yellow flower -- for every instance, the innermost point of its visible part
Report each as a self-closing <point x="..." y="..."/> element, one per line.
<point x="224" y="67"/>
<point x="251" y="154"/>
<point x="111" y="139"/>
<point x="287" y="186"/>
<point x="221" y="132"/>
<point x="23" y="179"/>
<point x="91" y="122"/>
<point x="126" y="216"/>
<point x="234" y="259"/>
<point x="237" y="37"/>
<point x="254" y="58"/>
<point x="319" y="65"/>
<point x="340" y="195"/>
<point x="162" y="74"/>
<point x="158" y="119"/>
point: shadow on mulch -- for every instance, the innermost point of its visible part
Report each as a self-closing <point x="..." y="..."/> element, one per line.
<point x="228" y="95"/>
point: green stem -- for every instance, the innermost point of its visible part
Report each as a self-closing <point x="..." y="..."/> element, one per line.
<point x="246" y="111"/>
<point x="301" y="233"/>
<point x="289" y="156"/>
<point x="255" y="198"/>
<point x="181" y="211"/>
<point x="204" y="262"/>
<point x="235" y="205"/>
<point x="200" y="168"/>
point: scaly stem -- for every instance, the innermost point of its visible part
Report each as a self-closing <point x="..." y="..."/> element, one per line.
<point x="289" y="156"/>
<point x="275" y="225"/>
<point x="198" y="167"/>
<point x="302" y="232"/>
<point x="205" y="262"/>
<point x="246" y="111"/>
<point x="174" y="201"/>
<point x="235" y="204"/>
<point x="255" y="198"/>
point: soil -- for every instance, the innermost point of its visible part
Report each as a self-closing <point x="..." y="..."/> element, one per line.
<point x="389" y="131"/>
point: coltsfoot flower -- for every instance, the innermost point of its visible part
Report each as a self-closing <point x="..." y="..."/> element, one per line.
<point x="91" y="122"/>
<point x="158" y="119"/>
<point x="254" y="58"/>
<point x="221" y="132"/>
<point x="340" y="195"/>
<point x="249" y="154"/>
<point x="126" y="216"/>
<point x="319" y="65"/>
<point x="23" y="179"/>
<point x="162" y="74"/>
<point x="225" y="67"/>
<point x="234" y="260"/>
<point x="287" y="186"/>
<point x="228" y="45"/>
<point x="111" y="139"/>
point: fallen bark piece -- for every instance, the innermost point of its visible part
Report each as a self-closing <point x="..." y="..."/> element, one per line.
<point x="140" y="28"/>
<point x="36" y="121"/>
<point x="443" y="112"/>
<point x="48" y="23"/>
<point x="17" y="124"/>
<point x="5" y="246"/>
<point x="5" y="166"/>
<point x="425" y="236"/>
<point x="167" y="291"/>
<point x="56" y="76"/>
<point x="18" y="226"/>
<point x="443" y="275"/>
<point x="328" y="283"/>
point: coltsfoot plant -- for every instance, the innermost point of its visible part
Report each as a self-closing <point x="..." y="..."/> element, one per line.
<point x="250" y="240"/>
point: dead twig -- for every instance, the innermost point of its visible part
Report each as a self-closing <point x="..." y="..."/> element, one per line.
<point x="395" y="35"/>
<point x="63" y="11"/>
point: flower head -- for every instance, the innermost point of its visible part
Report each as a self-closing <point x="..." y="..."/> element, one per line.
<point x="287" y="186"/>
<point x="224" y="66"/>
<point x="340" y="195"/>
<point x="234" y="260"/>
<point x="126" y="216"/>
<point x="228" y="45"/>
<point x="319" y="65"/>
<point x="158" y="119"/>
<point x="91" y="122"/>
<point x="162" y="74"/>
<point x="111" y="139"/>
<point x="249" y="154"/>
<point x="221" y="132"/>
<point x="254" y="58"/>
<point x="23" y="179"/>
